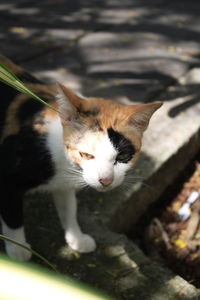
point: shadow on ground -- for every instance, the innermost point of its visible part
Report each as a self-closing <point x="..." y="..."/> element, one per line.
<point x="132" y="50"/>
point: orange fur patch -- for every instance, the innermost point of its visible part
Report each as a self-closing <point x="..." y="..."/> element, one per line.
<point x="12" y="124"/>
<point x="115" y="116"/>
<point x="101" y="114"/>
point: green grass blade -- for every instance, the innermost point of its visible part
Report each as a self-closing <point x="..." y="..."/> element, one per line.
<point x="9" y="78"/>
<point x="5" y="238"/>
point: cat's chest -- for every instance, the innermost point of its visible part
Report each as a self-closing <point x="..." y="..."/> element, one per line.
<point x="61" y="178"/>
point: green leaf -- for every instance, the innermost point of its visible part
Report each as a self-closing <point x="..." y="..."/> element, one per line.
<point x="9" y="78"/>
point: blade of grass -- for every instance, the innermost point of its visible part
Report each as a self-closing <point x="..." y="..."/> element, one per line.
<point x="9" y="78"/>
<point x="5" y="238"/>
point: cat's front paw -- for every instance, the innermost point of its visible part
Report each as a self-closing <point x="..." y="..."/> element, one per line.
<point x="84" y="243"/>
<point x="18" y="252"/>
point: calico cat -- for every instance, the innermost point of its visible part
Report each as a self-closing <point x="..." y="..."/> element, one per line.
<point x="91" y="141"/>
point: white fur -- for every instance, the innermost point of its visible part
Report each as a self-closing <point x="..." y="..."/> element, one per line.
<point x="63" y="187"/>
<point x="67" y="212"/>
<point x="103" y="165"/>
<point x="61" y="180"/>
<point x="65" y="182"/>
<point x="13" y="250"/>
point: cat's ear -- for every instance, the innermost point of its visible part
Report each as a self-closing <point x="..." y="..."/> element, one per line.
<point x="69" y="103"/>
<point x="141" y="115"/>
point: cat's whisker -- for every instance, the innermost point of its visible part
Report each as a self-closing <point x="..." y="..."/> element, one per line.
<point x="128" y="183"/>
<point x="72" y="171"/>
<point x="74" y="180"/>
<point x="71" y="174"/>
<point x="122" y="188"/>
<point x="85" y="187"/>
<point x="133" y="177"/>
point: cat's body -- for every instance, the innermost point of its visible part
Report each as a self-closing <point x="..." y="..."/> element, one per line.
<point x="91" y="142"/>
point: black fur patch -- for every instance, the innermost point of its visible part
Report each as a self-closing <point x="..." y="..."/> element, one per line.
<point x="28" y="78"/>
<point x="25" y="159"/>
<point x="25" y="163"/>
<point x="121" y="144"/>
<point x="28" y="110"/>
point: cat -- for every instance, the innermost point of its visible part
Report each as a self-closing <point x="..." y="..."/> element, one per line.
<point x="88" y="142"/>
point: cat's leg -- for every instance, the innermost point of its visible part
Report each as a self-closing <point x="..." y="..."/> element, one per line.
<point x="15" y="251"/>
<point x="65" y="202"/>
<point x="11" y="209"/>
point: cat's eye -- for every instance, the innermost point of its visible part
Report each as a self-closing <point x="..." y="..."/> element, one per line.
<point x="123" y="157"/>
<point x="86" y="155"/>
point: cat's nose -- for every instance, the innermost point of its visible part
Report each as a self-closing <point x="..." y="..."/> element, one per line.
<point x="106" y="181"/>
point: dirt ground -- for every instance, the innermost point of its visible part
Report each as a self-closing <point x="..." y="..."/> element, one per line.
<point x="173" y="235"/>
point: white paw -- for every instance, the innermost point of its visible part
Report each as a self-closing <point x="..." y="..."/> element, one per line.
<point x="84" y="243"/>
<point x="18" y="252"/>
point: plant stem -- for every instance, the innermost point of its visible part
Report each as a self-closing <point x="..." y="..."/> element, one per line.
<point x="5" y="238"/>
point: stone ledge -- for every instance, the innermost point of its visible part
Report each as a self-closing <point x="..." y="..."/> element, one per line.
<point x="118" y="267"/>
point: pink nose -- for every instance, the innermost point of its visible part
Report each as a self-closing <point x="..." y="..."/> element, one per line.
<point x="106" y="181"/>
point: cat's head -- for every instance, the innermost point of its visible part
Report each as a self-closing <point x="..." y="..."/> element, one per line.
<point x="102" y="137"/>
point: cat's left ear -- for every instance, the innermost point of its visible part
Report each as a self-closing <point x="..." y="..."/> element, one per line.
<point x="141" y="115"/>
<point x="69" y="103"/>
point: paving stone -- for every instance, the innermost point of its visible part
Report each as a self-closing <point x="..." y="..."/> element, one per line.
<point x="113" y="65"/>
<point x="60" y="65"/>
<point x="143" y="46"/>
<point x="135" y="65"/>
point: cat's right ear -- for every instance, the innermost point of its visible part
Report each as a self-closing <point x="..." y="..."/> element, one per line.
<point x="69" y="103"/>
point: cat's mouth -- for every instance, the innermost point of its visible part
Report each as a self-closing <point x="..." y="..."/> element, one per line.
<point x="105" y="189"/>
